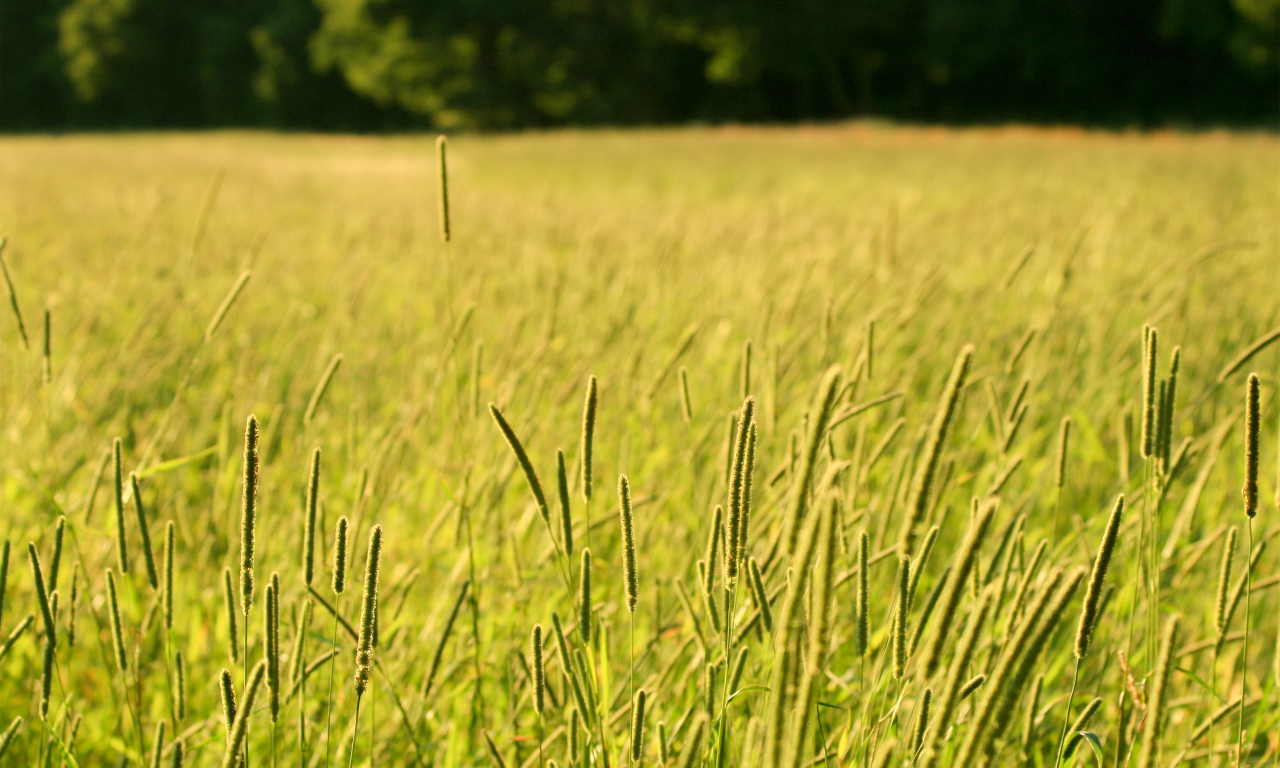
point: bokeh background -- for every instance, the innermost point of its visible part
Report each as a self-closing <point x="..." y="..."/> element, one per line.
<point x="501" y="64"/>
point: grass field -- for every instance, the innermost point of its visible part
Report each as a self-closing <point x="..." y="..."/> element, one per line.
<point x="646" y="259"/>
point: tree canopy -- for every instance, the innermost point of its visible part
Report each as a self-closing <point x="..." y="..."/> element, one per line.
<point x="499" y="64"/>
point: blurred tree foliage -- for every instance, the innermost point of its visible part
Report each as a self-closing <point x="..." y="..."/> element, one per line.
<point x="492" y="64"/>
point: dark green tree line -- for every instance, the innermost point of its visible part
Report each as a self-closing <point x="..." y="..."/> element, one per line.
<point x="493" y="64"/>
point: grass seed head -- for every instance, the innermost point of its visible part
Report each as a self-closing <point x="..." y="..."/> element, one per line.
<point x="166" y="594"/>
<point x="538" y="669"/>
<point x="368" y="610"/>
<point x="442" y="145"/>
<point x="144" y="531"/>
<point x="309" y="522"/>
<point x="1252" y="422"/>
<point x="584" y="597"/>
<point x="637" y="726"/>
<point x="1149" y="391"/>
<point x="180" y="685"/>
<point x="566" y="516"/>
<point x="240" y="728"/>
<point x="233" y="642"/>
<point x="1224" y="581"/>
<point x="42" y="596"/>
<point x="630" y="579"/>
<point x="55" y="559"/>
<point x="339" y="578"/>
<point x="117" y="632"/>
<point x="248" y="514"/>
<point x="122" y="542"/>
<point x="530" y="474"/>
<point x="585" y="450"/>
<point x="1093" y="594"/>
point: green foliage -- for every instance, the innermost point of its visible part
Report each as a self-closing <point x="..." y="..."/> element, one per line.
<point x="377" y="64"/>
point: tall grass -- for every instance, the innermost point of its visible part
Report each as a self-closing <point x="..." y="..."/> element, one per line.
<point x="728" y="299"/>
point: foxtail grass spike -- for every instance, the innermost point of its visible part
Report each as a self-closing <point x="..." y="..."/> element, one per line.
<point x="157" y="745"/>
<point x="233" y="643"/>
<point x="823" y="587"/>
<point x="339" y="579"/>
<point x="46" y="367"/>
<point x="228" y="691"/>
<point x="1170" y="407"/>
<point x="4" y="575"/>
<point x="166" y="594"/>
<point x="861" y="620"/>
<point x="15" y="634"/>
<point x="117" y="632"/>
<point x="13" y="295"/>
<point x="72" y="605"/>
<point x="637" y="726"/>
<point x="122" y="542"/>
<point x="530" y="474"/>
<point x="871" y="346"/>
<point x="920" y="560"/>
<point x="271" y="647"/>
<point x="739" y="667"/>
<point x="1064" y="441"/>
<point x="970" y="687"/>
<point x="630" y="579"/>
<point x="442" y="145"/>
<point x="705" y="577"/>
<point x="927" y="466"/>
<point x="317" y="395"/>
<point x="900" y="620"/>
<point x="749" y="469"/>
<point x="1224" y="581"/>
<point x="1153" y="730"/>
<point x="368" y="609"/>
<point x="225" y="306"/>
<point x="1151" y="348"/>
<point x="737" y="489"/>
<point x="584" y="597"/>
<point x="1238" y="361"/>
<point x="922" y="722"/>
<point x="1093" y="593"/>
<point x="241" y="726"/>
<point x="309" y="522"/>
<point x="714" y="537"/>
<point x="148" y="556"/>
<point x="586" y="447"/>
<point x="574" y="735"/>
<point x="297" y="659"/>
<point x="802" y="479"/>
<point x="180" y="685"/>
<point x="42" y="597"/>
<point x="1252" y="421"/>
<point x="248" y="514"/>
<point x="686" y="404"/>
<point x="566" y="516"/>
<point x="7" y="737"/>
<point x="55" y="558"/>
<point x="46" y="676"/>
<point x="538" y="669"/>
<point x="954" y="586"/>
<point x="1029" y="721"/>
<point x="760" y="595"/>
<point x="444" y="637"/>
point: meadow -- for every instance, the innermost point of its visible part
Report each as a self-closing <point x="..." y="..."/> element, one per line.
<point x="887" y="402"/>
